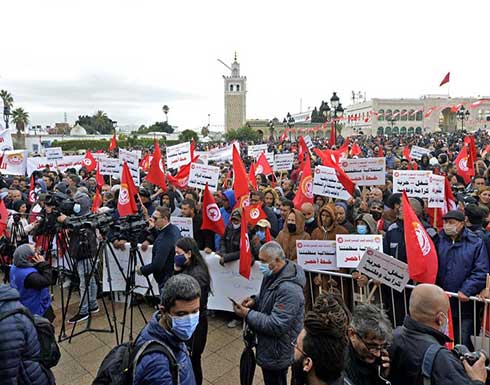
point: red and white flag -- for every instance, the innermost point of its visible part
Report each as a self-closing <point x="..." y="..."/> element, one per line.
<point x="305" y="189"/>
<point x="126" y="204"/>
<point x="211" y="218"/>
<point x="283" y="137"/>
<point x="464" y="165"/>
<point x="89" y="161"/>
<point x="245" y="250"/>
<point x="263" y="166"/>
<point x="406" y="153"/>
<point x="240" y="178"/>
<point x="254" y="213"/>
<point x="32" y="194"/>
<point x="430" y="111"/>
<point x="156" y="175"/>
<point x="355" y="150"/>
<point x="251" y="176"/>
<point x="99" y="178"/>
<point x="445" y="79"/>
<point x="97" y="201"/>
<point x="113" y="143"/>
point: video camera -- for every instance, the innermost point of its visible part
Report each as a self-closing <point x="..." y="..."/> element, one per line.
<point x="464" y="354"/>
<point x="130" y="227"/>
<point x="61" y="203"/>
<point x="90" y="221"/>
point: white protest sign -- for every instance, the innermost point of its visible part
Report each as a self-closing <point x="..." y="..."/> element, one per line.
<point x="6" y="140"/>
<point x="14" y="162"/>
<point x="110" y="166"/>
<point x="118" y="279"/>
<point x="316" y="255"/>
<point x="54" y="153"/>
<point x="308" y="142"/>
<point x="414" y="182"/>
<point x="351" y="247"/>
<point x="200" y="174"/>
<point x="40" y="163"/>
<point x="326" y="183"/>
<point x="384" y="268"/>
<point x="255" y="150"/>
<point x="436" y="191"/>
<point x="222" y="154"/>
<point x="283" y="162"/>
<point x="184" y="225"/>
<point x="178" y="155"/>
<point x="416" y="152"/>
<point x="132" y="160"/>
<point x="226" y="282"/>
<point x="365" y="171"/>
<point x="203" y="157"/>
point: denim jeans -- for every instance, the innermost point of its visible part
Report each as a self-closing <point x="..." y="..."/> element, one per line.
<point x="83" y="267"/>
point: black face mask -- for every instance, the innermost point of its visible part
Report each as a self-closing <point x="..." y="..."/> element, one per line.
<point x="299" y="376"/>
<point x="292" y="228"/>
<point x="376" y="215"/>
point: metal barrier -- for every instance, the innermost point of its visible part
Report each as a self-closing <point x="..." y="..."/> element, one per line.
<point x="373" y="292"/>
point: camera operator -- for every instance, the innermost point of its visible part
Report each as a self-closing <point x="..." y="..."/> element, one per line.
<point x="17" y="224"/>
<point x="82" y="249"/>
<point x="418" y="354"/>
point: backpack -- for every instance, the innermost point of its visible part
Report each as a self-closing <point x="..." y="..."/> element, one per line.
<point x="50" y="354"/>
<point x="119" y="365"/>
<point x="428" y="362"/>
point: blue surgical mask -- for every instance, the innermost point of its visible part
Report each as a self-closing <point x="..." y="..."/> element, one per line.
<point x="264" y="269"/>
<point x="310" y="220"/>
<point x="183" y="327"/>
<point x="180" y="260"/>
<point x="362" y="229"/>
<point x="76" y="208"/>
<point x="261" y="234"/>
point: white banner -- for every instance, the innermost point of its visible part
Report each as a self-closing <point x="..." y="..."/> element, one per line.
<point x="316" y="255"/>
<point x="351" y="247"/>
<point x="40" y="163"/>
<point x="385" y="269"/>
<point x="414" y="182"/>
<point x="184" y="225"/>
<point x="283" y="162"/>
<point x="14" y="162"/>
<point x="365" y="171"/>
<point x="436" y="191"/>
<point x="200" y="174"/>
<point x="203" y="157"/>
<point x="308" y="142"/>
<point x="54" y="153"/>
<point x="255" y="150"/>
<point x="416" y="152"/>
<point x="178" y="155"/>
<point x="222" y="154"/>
<point x="132" y="159"/>
<point x="326" y="183"/>
<point x="6" y="140"/>
<point x="110" y="166"/>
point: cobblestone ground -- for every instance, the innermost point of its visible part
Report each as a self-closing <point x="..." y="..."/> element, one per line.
<point x="81" y="358"/>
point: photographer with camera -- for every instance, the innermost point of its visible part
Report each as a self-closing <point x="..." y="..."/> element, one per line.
<point x="418" y="354"/>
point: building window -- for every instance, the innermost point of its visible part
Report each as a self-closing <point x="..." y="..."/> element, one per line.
<point x="380" y="130"/>
<point x="411" y="115"/>
<point x="397" y="114"/>
<point x="388" y="114"/>
<point x="231" y="87"/>
<point x="238" y="87"/>
<point x="418" y="116"/>
<point x="387" y="130"/>
<point x="403" y="131"/>
<point x="396" y="130"/>
<point x="418" y="130"/>
<point x="381" y="115"/>
<point x="403" y="115"/>
<point x="410" y="131"/>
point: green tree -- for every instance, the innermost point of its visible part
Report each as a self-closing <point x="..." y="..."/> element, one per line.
<point x="156" y="127"/>
<point x="20" y="119"/>
<point x="243" y="134"/>
<point x="7" y="98"/>
<point x="99" y="123"/>
<point x="188" y="135"/>
<point x="205" y="131"/>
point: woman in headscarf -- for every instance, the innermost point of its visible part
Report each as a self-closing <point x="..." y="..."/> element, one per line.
<point x="293" y="230"/>
<point x="341" y="213"/>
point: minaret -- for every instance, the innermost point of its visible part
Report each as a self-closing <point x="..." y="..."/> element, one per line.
<point x="235" y="98"/>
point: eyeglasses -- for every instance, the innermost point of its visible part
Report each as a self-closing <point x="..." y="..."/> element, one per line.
<point x="295" y="345"/>
<point x="372" y="347"/>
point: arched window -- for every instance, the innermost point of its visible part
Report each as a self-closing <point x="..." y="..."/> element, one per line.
<point x="411" y="114"/>
<point x="387" y="130"/>
<point x="403" y="115"/>
<point x="396" y="130"/>
<point x="410" y="131"/>
<point x="231" y="87"/>
<point x="418" y="130"/>
<point x="403" y="131"/>
<point x="388" y="115"/>
<point x="397" y="114"/>
<point x="238" y="87"/>
<point x="418" y="116"/>
<point x="380" y="130"/>
<point x="381" y="115"/>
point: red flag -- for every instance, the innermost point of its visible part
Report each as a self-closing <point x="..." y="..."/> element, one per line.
<point x="145" y="163"/>
<point x="192" y="148"/>
<point x="343" y="178"/>
<point x="263" y="166"/>
<point x="113" y="143"/>
<point x="4" y="216"/>
<point x="251" y="177"/>
<point x="156" y="175"/>
<point x="126" y="204"/>
<point x="268" y="236"/>
<point x="32" y="194"/>
<point x="245" y="250"/>
<point x="97" y="201"/>
<point x="180" y="179"/>
<point x="464" y="165"/>
<point x="305" y="188"/>
<point x="283" y="136"/>
<point x="470" y="141"/>
<point x="331" y="141"/>
<point x="211" y="219"/>
<point x="445" y="80"/>
<point x="485" y="151"/>
<point x="1" y="158"/>
<point x="254" y="213"/>
<point x="240" y="179"/>
<point x="421" y="253"/>
<point x="327" y="156"/>
<point x="380" y="151"/>
<point x="406" y="153"/>
<point x="99" y="178"/>
<point x="450" y="328"/>
<point x="355" y="150"/>
<point x="89" y="161"/>
<point x="302" y="149"/>
<point x="430" y="111"/>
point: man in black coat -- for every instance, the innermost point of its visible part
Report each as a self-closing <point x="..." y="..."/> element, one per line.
<point x="257" y="197"/>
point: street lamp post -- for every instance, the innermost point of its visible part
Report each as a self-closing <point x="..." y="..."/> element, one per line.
<point x="463" y="114"/>
<point x="271" y="130"/>
<point x="337" y="111"/>
<point x="288" y="122"/>
<point x="165" y="111"/>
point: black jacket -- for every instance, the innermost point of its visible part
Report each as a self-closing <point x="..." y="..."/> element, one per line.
<point x="359" y="372"/>
<point x="410" y="343"/>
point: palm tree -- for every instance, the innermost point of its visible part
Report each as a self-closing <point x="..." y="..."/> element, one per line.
<point x="20" y="119"/>
<point x="8" y="102"/>
<point x="165" y="111"/>
<point x="100" y="119"/>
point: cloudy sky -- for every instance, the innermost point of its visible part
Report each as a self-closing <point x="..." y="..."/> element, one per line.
<point x="128" y="58"/>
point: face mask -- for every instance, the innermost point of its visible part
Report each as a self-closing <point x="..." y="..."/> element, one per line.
<point x="310" y="220"/>
<point x="183" y="327"/>
<point x="298" y="374"/>
<point x="264" y="269"/>
<point x="277" y="210"/>
<point x="362" y="229"/>
<point x="236" y="225"/>
<point x="376" y="215"/>
<point x="180" y="260"/>
<point x="37" y="190"/>
<point x="76" y="208"/>
<point x="451" y="230"/>
<point x="261" y="234"/>
<point x="444" y="329"/>
<point x="292" y="228"/>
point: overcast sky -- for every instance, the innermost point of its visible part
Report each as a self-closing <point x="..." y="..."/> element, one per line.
<point x="128" y="58"/>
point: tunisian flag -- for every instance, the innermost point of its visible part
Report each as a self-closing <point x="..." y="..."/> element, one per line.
<point x="251" y="177"/>
<point x="240" y="179"/>
<point x="445" y="80"/>
<point x="97" y="201"/>
<point x="263" y="166"/>
<point x="89" y="161"/>
<point x="211" y="218"/>
<point x="355" y="150"/>
<point x="406" y="153"/>
<point x="343" y="178"/>
<point x="99" y="178"/>
<point x="113" y="143"/>
<point x="470" y="141"/>
<point x="32" y="193"/>
<point x="421" y="252"/>
<point x="302" y="149"/>
<point x="156" y="175"/>
<point x="464" y="165"/>
<point x="254" y="213"/>
<point x="245" y="250"/>
<point x="126" y="204"/>
<point x="305" y="188"/>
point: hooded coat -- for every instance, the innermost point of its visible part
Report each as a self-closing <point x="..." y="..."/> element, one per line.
<point x="327" y="233"/>
<point x="288" y="240"/>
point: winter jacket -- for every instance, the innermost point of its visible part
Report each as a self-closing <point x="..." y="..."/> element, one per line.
<point x="288" y="240"/>
<point x="360" y="372"/>
<point x="230" y="244"/>
<point x="154" y="368"/>
<point x="272" y="218"/>
<point x="19" y="345"/>
<point x="277" y="316"/>
<point x="163" y="253"/>
<point x="37" y="300"/>
<point x="225" y="214"/>
<point x="410" y="342"/>
<point x="327" y="234"/>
